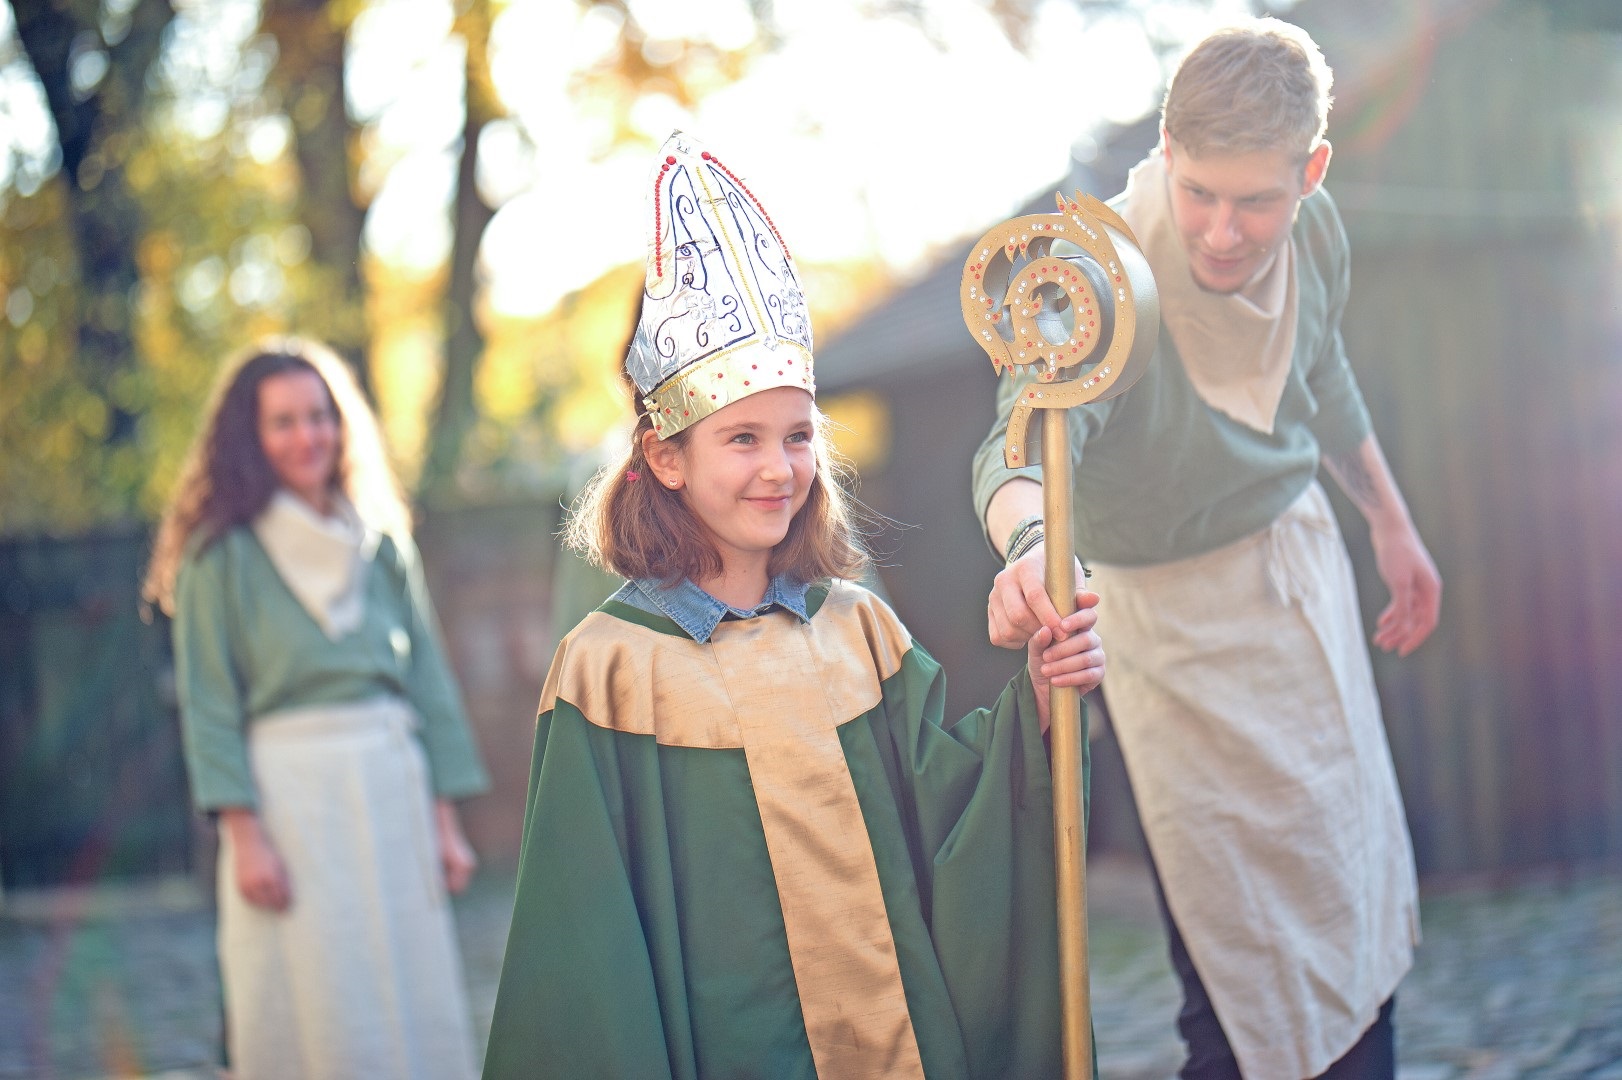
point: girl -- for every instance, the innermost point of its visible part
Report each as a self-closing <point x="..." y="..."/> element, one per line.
<point x="322" y="726"/>
<point x="752" y="847"/>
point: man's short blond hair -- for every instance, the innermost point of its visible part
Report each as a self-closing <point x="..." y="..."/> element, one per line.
<point x="1259" y="85"/>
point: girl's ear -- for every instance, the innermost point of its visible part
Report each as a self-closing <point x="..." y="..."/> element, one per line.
<point x="664" y="460"/>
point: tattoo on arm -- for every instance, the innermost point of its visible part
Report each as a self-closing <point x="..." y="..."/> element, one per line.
<point x="1355" y="478"/>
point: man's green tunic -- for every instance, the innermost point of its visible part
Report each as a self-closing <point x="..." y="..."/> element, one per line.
<point x="1160" y="475"/>
<point x="684" y="908"/>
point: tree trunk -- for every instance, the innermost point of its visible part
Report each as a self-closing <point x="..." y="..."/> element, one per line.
<point x="457" y="411"/>
<point x="97" y="133"/>
<point x="309" y="74"/>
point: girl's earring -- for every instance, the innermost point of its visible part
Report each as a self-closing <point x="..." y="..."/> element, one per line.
<point x="672" y="483"/>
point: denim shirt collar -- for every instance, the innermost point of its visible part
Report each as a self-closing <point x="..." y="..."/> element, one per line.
<point x="698" y="613"/>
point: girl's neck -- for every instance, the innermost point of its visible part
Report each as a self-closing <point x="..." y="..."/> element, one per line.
<point x="735" y="586"/>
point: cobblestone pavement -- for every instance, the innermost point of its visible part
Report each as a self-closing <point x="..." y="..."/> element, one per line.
<point x="1517" y="980"/>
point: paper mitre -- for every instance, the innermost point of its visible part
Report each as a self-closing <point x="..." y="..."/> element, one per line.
<point x="723" y="315"/>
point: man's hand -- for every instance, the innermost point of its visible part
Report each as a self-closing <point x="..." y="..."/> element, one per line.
<point x="1399" y="554"/>
<point x="1416" y="589"/>
<point x="1019" y="604"/>
<point x="260" y="875"/>
<point x="1077" y="660"/>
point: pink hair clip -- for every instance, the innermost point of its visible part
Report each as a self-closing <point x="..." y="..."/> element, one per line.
<point x="632" y="476"/>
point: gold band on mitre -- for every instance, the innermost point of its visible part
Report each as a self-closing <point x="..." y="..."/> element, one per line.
<point x="718" y="380"/>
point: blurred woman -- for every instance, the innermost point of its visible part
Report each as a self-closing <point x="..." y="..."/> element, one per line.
<point x="322" y="726"/>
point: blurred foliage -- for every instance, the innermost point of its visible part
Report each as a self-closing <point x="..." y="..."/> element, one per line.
<point x="685" y="69"/>
<point x="51" y="424"/>
<point x="221" y="258"/>
<point x="235" y="171"/>
<point x="306" y="83"/>
<point x="92" y="71"/>
<point x="456" y="411"/>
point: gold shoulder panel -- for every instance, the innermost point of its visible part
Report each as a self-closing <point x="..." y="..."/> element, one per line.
<point x="866" y="626"/>
<point x="631" y="679"/>
<point x="628" y="678"/>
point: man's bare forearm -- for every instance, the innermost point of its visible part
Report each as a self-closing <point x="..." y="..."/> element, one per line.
<point x="1016" y="500"/>
<point x="1366" y="479"/>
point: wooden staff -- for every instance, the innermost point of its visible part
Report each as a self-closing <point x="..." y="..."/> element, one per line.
<point x="1067" y="295"/>
<point x="1067" y="740"/>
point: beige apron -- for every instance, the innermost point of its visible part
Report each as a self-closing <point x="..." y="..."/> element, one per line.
<point x="361" y="977"/>
<point x="1241" y="691"/>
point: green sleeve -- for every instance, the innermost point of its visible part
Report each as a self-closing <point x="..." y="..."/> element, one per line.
<point x="453" y="758"/>
<point x="991" y="470"/>
<point x="979" y="796"/>
<point x="577" y="995"/>
<point x="1342" y="421"/>
<point x="209" y="681"/>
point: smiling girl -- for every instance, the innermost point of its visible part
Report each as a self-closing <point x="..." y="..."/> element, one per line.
<point x="754" y="847"/>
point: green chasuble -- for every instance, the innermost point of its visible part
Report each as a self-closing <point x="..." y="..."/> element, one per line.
<point x="766" y="856"/>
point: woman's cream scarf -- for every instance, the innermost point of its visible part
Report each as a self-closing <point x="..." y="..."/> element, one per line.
<point x="1237" y="347"/>
<point x="323" y="560"/>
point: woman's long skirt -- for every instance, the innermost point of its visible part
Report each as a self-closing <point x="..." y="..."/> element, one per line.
<point x="361" y="976"/>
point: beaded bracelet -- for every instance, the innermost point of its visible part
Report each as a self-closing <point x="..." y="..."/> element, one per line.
<point x="1026" y="545"/>
<point x="1026" y="535"/>
<point x="1021" y="527"/>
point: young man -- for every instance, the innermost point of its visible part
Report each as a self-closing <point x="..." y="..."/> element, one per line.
<point x="1240" y="684"/>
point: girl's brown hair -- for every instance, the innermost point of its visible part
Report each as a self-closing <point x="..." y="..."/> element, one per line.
<point x="629" y="524"/>
<point x="227" y="480"/>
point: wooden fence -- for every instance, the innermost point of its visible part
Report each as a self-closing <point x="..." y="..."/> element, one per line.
<point x="91" y="779"/>
<point x="1486" y="330"/>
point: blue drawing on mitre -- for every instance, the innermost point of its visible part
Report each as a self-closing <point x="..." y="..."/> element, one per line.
<point x="719" y="278"/>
